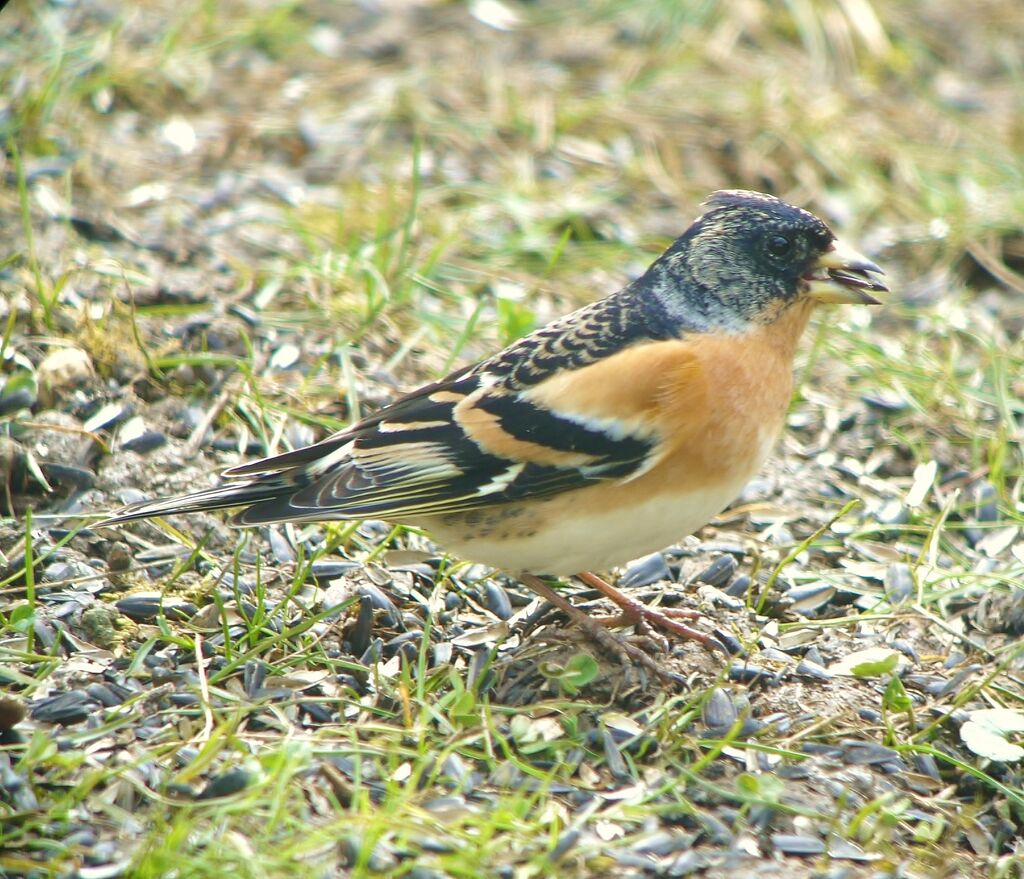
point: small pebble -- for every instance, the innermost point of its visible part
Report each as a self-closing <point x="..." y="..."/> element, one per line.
<point x="12" y="712"/>
<point x="65" y="571"/>
<point x="119" y="557"/>
<point x="62" y="370"/>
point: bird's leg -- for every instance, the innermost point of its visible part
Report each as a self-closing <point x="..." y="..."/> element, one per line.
<point x="627" y="653"/>
<point x="637" y="613"/>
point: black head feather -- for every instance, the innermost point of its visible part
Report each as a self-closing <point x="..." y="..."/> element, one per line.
<point x="738" y="263"/>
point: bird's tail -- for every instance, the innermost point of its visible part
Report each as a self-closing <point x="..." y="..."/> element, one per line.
<point x="272" y="479"/>
<point x="239" y="494"/>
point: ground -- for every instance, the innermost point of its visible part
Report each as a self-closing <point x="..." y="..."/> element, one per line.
<point x="233" y="227"/>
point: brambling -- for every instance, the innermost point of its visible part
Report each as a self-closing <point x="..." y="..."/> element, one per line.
<point x="605" y="435"/>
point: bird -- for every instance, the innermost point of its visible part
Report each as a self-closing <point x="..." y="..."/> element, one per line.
<point x="606" y="435"/>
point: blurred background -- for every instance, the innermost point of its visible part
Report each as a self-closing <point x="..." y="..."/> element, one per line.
<point x="423" y="151"/>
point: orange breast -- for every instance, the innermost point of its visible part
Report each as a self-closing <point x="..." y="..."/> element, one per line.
<point x="716" y="402"/>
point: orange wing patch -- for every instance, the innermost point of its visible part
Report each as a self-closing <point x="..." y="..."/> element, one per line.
<point x="632" y="387"/>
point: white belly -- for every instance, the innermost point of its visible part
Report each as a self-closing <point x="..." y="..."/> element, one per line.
<point x="573" y="541"/>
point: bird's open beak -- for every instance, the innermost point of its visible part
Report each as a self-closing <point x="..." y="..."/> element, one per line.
<point x="841" y="275"/>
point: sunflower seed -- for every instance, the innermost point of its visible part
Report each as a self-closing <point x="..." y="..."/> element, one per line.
<point x="719" y="572"/>
<point x="643" y="572"/>
<point x="719" y="711"/>
<point x="739" y="587"/>
<point x="362" y="631"/>
<point x="809" y="598"/>
<point x="497" y="600"/>
<point x="225" y="785"/>
<point x="899" y="582"/>
<point x="145" y="606"/>
<point x="793" y="844"/>
<point x="105" y="695"/>
<point x="565" y="842"/>
<point x="381" y="601"/>
<point x="74" y="706"/>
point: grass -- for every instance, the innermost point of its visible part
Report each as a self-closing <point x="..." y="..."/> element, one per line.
<point x="280" y="215"/>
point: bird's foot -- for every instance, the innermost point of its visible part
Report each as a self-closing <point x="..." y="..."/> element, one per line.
<point x="628" y="654"/>
<point x="636" y="613"/>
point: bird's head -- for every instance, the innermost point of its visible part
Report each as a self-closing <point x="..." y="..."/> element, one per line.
<point x="751" y="256"/>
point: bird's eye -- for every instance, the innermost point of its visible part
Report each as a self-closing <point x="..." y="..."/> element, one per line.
<point x="780" y="245"/>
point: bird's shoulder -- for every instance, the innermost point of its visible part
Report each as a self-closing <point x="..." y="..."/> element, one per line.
<point x="590" y="334"/>
<point x="590" y="384"/>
